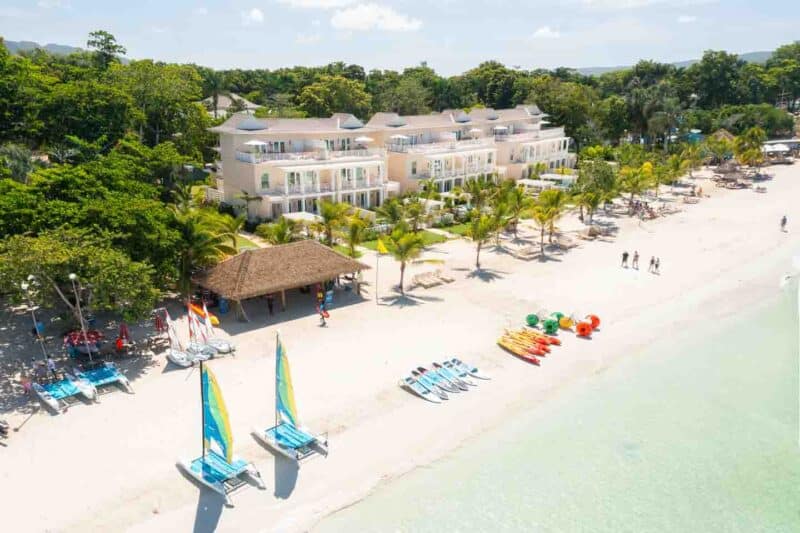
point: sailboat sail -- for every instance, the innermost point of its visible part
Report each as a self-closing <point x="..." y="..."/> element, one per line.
<point x="216" y="426"/>
<point x="284" y="392"/>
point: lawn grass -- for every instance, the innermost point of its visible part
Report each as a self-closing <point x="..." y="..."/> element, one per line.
<point x="345" y="250"/>
<point x="428" y="238"/>
<point x="242" y="243"/>
<point x="458" y="229"/>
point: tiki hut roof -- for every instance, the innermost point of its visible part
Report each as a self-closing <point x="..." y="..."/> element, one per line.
<point x="267" y="270"/>
<point x="722" y="133"/>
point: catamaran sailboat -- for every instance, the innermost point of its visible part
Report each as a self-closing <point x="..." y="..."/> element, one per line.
<point x="217" y="468"/>
<point x="287" y="437"/>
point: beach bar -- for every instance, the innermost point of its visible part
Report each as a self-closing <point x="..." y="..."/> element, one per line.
<point x="276" y="269"/>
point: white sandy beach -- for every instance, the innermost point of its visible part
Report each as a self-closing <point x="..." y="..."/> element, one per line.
<point x="111" y="466"/>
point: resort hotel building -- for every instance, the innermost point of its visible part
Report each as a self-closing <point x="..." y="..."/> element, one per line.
<point x="279" y="166"/>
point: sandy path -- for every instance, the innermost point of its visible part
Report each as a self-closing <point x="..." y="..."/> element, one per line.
<point x="111" y="466"/>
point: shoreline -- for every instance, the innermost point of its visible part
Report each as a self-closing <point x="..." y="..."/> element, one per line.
<point x="344" y="385"/>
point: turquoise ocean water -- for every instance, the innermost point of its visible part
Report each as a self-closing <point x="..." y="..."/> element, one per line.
<point x="698" y="433"/>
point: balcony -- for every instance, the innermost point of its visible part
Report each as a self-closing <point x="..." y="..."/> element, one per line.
<point x="441" y="147"/>
<point x="319" y="155"/>
<point x="530" y="136"/>
<point x="457" y="173"/>
<point x="321" y="188"/>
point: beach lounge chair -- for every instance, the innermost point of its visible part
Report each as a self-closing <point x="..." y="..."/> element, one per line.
<point x="419" y="389"/>
<point x="213" y="471"/>
<point x="107" y="374"/>
<point x="292" y="442"/>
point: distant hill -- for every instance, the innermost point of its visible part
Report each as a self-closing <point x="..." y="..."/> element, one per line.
<point x="750" y="57"/>
<point x="26" y="46"/>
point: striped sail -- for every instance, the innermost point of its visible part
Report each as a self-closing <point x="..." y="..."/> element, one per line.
<point x="216" y="426"/>
<point x="284" y="396"/>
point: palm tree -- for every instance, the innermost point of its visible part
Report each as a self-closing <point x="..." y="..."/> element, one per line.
<point x="283" y="231"/>
<point x="542" y="216"/>
<point x="332" y="216"/>
<point x="355" y="228"/>
<point x="391" y="212"/>
<point x="214" y="86"/>
<point x="248" y="199"/>
<point x="404" y="245"/>
<point x="589" y="201"/>
<point x="480" y="190"/>
<point x="414" y="212"/>
<point x="691" y="156"/>
<point x="554" y="201"/>
<point x="19" y="160"/>
<point x="518" y="202"/>
<point x="480" y="229"/>
<point x="634" y="181"/>
<point x="201" y="245"/>
<point x="232" y="226"/>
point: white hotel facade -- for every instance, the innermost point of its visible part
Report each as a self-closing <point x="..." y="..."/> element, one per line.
<point x="290" y="165"/>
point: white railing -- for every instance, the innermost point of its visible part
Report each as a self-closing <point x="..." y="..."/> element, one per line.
<point x="214" y="195"/>
<point x="540" y="135"/>
<point x="457" y="173"/>
<point x="322" y="188"/>
<point x="444" y="146"/>
<point x="320" y="155"/>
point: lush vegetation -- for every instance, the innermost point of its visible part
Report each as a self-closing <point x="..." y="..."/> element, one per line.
<point x="97" y="157"/>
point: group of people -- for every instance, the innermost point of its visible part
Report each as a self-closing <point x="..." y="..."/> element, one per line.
<point x="655" y="262"/>
<point x="642" y="209"/>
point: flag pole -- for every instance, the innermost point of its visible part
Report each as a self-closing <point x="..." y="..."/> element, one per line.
<point x="377" y="265"/>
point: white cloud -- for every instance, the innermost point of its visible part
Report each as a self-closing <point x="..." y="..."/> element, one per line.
<point x="254" y="16"/>
<point x="202" y="11"/>
<point x="633" y="4"/>
<point x="307" y="38"/>
<point x="316" y="4"/>
<point x="50" y="4"/>
<point x="687" y="19"/>
<point x="364" y="17"/>
<point x="546" y="32"/>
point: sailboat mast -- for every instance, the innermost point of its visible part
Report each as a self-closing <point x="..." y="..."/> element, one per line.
<point x="202" y="415"/>
<point x="277" y="362"/>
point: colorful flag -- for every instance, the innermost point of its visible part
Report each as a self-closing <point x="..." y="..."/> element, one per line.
<point x="216" y="426"/>
<point x="284" y="397"/>
<point x="382" y="247"/>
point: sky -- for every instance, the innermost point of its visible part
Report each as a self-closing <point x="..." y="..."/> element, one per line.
<point x="450" y="35"/>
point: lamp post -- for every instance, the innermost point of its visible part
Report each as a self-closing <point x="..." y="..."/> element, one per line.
<point x="73" y="278"/>
<point x="25" y="286"/>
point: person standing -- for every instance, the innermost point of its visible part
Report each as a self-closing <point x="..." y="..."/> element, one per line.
<point x="635" y="263"/>
<point x="51" y="366"/>
<point x="270" y="303"/>
<point x="652" y="263"/>
<point x="625" y="259"/>
<point x="783" y="223"/>
<point x="658" y="265"/>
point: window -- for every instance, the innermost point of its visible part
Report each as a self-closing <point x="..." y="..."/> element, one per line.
<point x="329" y="144"/>
<point x="413" y="168"/>
<point x="359" y="173"/>
<point x="265" y="180"/>
<point x="489" y="158"/>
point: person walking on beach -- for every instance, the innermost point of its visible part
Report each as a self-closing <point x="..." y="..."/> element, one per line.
<point x="51" y="366"/>
<point x="625" y="259"/>
<point x="657" y="265"/>
<point x="652" y="263"/>
<point x="635" y="263"/>
<point x="783" y="223"/>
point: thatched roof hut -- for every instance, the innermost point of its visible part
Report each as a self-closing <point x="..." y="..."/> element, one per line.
<point x="275" y="269"/>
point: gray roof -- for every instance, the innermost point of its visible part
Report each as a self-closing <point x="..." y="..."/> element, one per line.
<point x="338" y="123"/>
<point x="224" y="101"/>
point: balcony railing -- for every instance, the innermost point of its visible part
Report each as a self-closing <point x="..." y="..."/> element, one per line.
<point x="539" y="135"/>
<point x="310" y="188"/>
<point x="457" y="173"/>
<point x="319" y="155"/>
<point x="443" y="146"/>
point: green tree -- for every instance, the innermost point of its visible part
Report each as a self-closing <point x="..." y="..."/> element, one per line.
<point x="747" y="146"/>
<point x="18" y="159"/>
<point x="283" y="231"/>
<point x="334" y="94"/>
<point x="480" y="229"/>
<point x="554" y="202"/>
<point x="405" y="246"/>
<point x="111" y="280"/>
<point x="332" y="216"/>
<point x="355" y="230"/>
<point x="518" y="202"/>
<point x="106" y="48"/>
<point x="391" y="212"/>
<point x="214" y="86"/>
